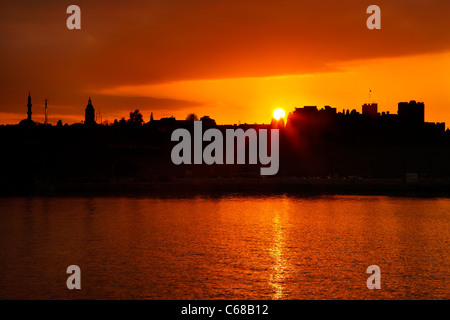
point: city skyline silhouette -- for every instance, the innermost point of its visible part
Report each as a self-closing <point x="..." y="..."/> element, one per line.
<point x="412" y="111"/>
<point x="375" y="148"/>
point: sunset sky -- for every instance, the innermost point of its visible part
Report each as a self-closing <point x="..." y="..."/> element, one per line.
<point x="232" y="60"/>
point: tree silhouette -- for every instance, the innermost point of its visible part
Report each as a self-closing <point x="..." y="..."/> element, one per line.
<point x="207" y="121"/>
<point x="136" y="118"/>
<point x="191" y="117"/>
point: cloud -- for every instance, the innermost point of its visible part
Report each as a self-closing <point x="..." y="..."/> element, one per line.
<point x="162" y="41"/>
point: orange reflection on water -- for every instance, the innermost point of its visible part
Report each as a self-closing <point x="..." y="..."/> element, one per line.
<point x="277" y="247"/>
<point x="277" y="252"/>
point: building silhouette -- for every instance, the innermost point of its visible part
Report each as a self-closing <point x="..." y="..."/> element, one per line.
<point x="370" y="110"/>
<point x="89" y="115"/>
<point x="413" y="112"/>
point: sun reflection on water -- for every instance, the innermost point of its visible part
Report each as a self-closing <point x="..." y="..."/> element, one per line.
<point x="278" y="275"/>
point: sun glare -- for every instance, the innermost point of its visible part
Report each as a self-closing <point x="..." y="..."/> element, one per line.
<point x="278" y="114"/>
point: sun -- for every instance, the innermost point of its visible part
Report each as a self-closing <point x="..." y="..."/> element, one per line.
<point x="278" y="114"/>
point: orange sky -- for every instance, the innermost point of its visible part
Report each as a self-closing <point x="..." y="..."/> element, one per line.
<point x="232" y="60"/>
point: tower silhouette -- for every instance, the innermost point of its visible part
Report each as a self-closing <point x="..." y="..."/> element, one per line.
<point x="28" y="122"/>
<point x="29" y="107"/>
<point x="46" y="118"/>
<point x="89" y="115"/>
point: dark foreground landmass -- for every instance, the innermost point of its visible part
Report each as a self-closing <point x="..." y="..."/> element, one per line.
<point x="343" y="156"/>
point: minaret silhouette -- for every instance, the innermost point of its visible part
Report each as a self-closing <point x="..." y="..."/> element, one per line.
<point x="29" y="106"/>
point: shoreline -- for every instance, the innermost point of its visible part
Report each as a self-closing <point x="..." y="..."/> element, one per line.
<point x="192" y="187"/>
